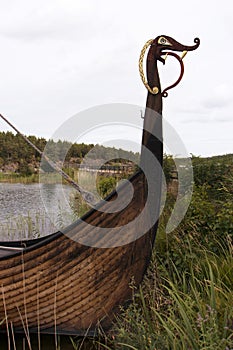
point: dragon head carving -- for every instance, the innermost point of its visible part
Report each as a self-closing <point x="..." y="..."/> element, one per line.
<point x="163" y="43"/>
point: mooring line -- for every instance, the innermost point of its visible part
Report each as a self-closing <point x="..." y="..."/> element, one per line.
<point x="88" y="196"/>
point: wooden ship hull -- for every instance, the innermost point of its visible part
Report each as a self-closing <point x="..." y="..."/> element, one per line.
<point x="58" y="285"/>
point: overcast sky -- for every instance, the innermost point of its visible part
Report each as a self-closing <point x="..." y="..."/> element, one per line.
<point x="61" y="57"/>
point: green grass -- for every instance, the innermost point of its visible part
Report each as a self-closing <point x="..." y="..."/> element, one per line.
<point x="186" y="299"/>
<point x="190" y="308"/>
<point x="23" y="227"/>
<point x="17" y="178"/>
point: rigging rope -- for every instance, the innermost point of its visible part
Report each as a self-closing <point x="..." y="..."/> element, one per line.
<point x="88" y="196"/>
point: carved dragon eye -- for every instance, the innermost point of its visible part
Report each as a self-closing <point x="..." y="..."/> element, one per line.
<point x="163" y="41"/>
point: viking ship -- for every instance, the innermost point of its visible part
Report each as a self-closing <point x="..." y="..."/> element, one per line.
<point x="57" y="284"/>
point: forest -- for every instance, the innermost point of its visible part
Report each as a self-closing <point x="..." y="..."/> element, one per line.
<point x="16" y="156"/>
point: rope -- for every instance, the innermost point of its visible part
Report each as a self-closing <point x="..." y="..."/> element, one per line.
<point x="88" y="196"/>
<point x="155" y="90"/>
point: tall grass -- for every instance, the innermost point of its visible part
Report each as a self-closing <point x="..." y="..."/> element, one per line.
<point x="186" y="299"/>
<point x="190" y="308"/>
<point x="17" y="178"/>
<point x="32" y="225"/>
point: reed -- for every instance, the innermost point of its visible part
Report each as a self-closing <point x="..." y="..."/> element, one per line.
<point x="182" y="306"/>
<point x="31" y="225"/>
<point x="17" y="178"/>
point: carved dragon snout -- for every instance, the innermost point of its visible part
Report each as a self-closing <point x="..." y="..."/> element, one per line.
<point x="165" y="42"/>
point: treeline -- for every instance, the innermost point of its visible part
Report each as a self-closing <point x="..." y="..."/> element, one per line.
<point x="216" y="174"/>
<point x="18" y="156"/>
<point x="208" y="171"/>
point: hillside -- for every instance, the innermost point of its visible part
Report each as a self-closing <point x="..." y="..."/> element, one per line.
<point x="16" y="156"/>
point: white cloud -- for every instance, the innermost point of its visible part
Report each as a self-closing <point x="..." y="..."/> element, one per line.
<point x="58" y="57"/>
<point x="219" y="97"/>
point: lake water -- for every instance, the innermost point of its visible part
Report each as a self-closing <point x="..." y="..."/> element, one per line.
<point x="33" y="210"/>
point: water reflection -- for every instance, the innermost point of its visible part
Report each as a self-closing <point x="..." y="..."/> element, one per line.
<point x="33" y="210"/>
